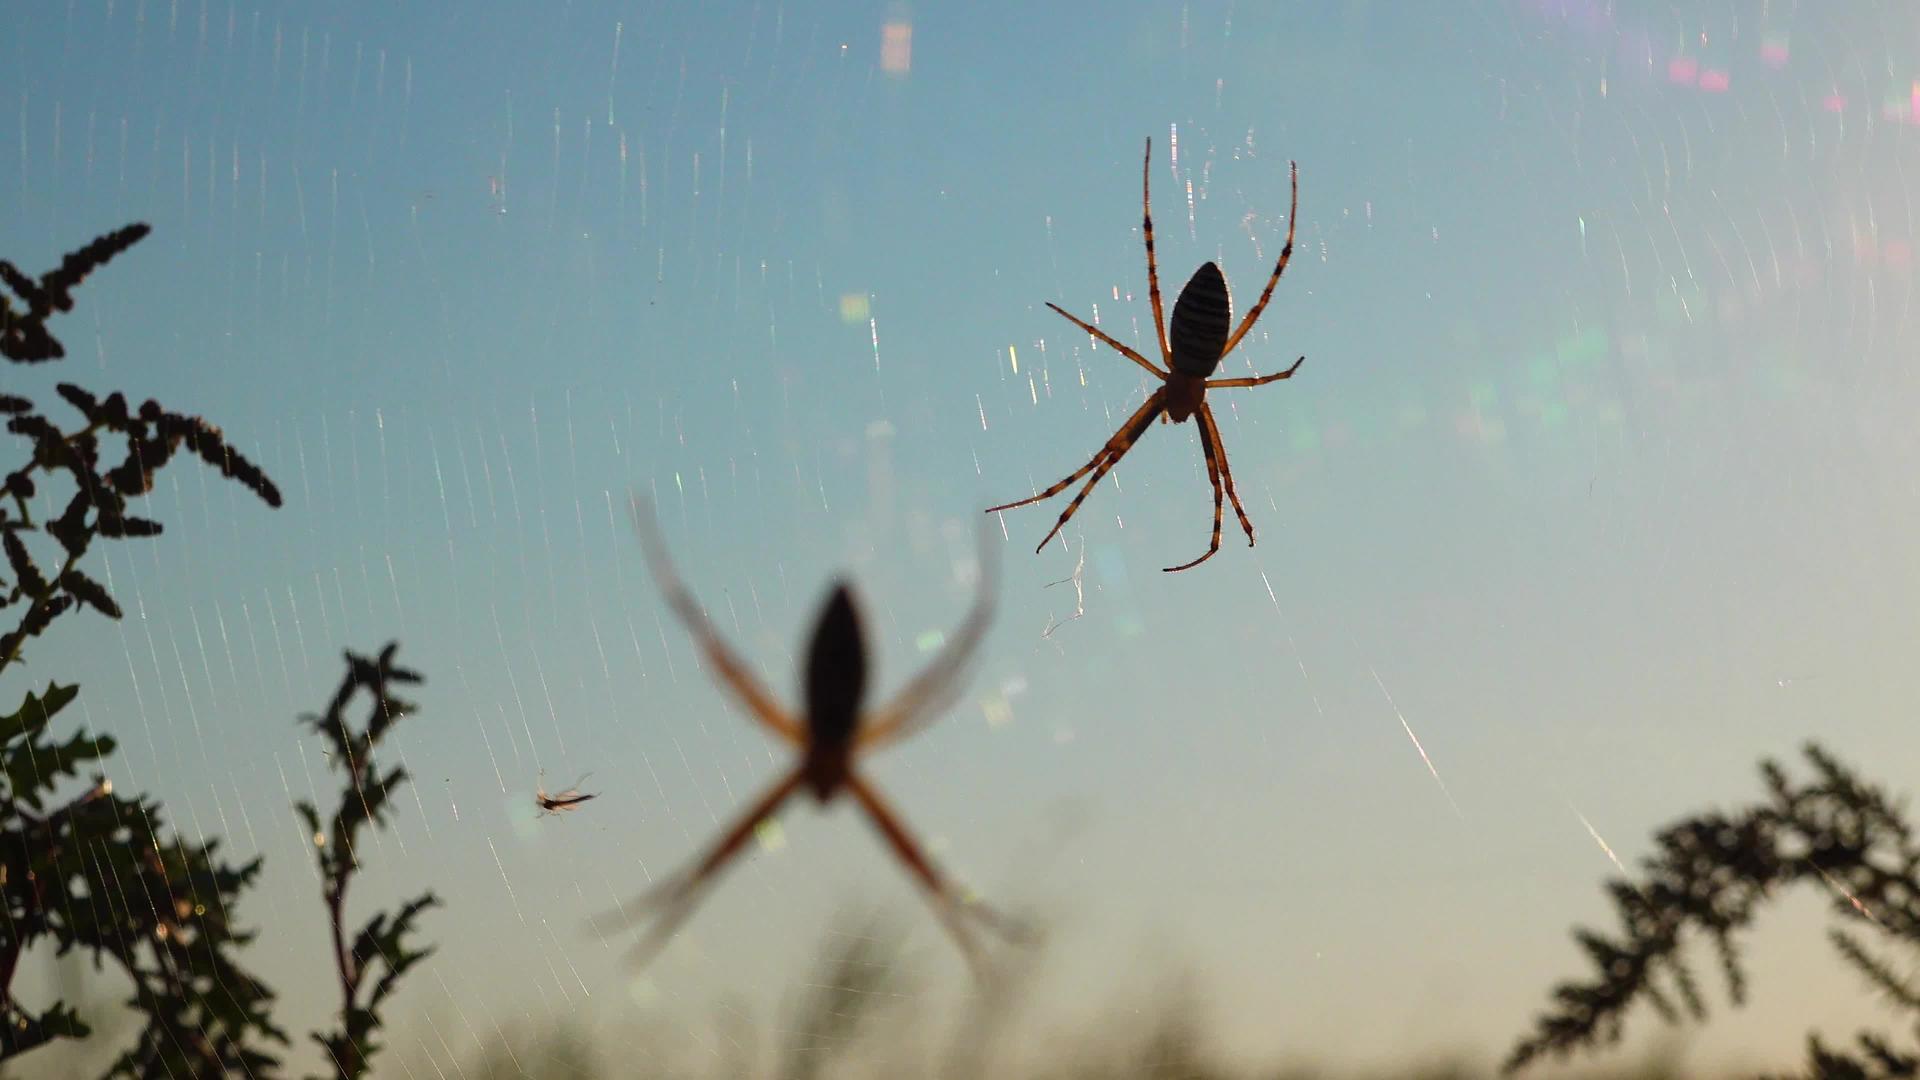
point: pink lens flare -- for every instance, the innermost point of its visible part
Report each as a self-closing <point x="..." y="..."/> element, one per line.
<point x="896" y="48"/>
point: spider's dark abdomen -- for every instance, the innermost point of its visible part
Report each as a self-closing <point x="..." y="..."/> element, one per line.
<point x="1197" y="333"/>
<point x="836" y="672"/>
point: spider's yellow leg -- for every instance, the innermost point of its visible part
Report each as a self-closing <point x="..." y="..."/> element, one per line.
<point x="1279" y="267"/>
<point x="1210" y="452"/>
<point x="1115" y="449"/>
<point x="1055" y="489"/>
<point x="1258" y="380"/>
<point x="945" y="904"/>
<point x="676" y="897"/>
<point x="1110" y="340"/>
<point x="733" y="672"/>
<point x="1082" y="470"/>
<point x="1209" y="424"/>
<point x="1153" y="267"/>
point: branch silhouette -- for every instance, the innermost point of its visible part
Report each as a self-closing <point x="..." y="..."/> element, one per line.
<point x="381" y="943"/>
<point x="97" y="507"/>
<point x="23" y="333"/>
<point x="91" y="871"/>
<point x="1709" y="878"/>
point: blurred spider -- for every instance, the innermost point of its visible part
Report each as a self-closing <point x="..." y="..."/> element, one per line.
<point x="1192" y="348"/>
<point x="832" y="732"/>
<point x="564" y="802"/>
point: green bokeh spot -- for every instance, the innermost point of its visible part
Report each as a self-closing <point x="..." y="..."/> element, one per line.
<point x="1783" y="379"/>
<point x="1584" y="347"/>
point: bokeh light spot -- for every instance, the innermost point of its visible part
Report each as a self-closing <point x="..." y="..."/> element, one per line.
<point x="770" y="836"/>
<point x="896" y="48"/>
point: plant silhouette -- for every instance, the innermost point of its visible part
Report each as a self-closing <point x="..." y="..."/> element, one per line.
<point x="1709" y="878"/>
<point x="381" y="943"/>
<point x="24" y="337"/>
<point x="89" y="871"/>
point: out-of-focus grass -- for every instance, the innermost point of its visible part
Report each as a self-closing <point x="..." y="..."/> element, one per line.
<point x="560" y="1053"/>
<point x="857" y="1019"/>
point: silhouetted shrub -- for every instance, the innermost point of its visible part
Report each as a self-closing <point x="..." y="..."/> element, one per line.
<point x="1709" y="878"/>
<point x="90" y="871"/>
<point x="380" y="945"/>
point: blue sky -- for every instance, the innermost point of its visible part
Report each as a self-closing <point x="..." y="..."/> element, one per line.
<point x="1596" y="478"/>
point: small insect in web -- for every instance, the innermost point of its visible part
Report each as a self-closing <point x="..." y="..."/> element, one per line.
<point x="830" y="736"/>
<point x="1192" y="344"/>
<point x="562" y="802"/>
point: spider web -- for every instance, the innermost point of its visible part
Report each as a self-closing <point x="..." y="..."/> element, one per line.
<point x="1594" y="487"/>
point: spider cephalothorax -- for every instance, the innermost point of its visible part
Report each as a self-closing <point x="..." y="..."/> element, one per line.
<point x="1191" y="348"/>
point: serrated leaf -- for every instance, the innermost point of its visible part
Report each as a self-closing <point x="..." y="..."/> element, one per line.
<point x="31" y="581"/>
<point x="90" y="592"/>
<point x="35" y="711"/>
<point x="23" y="1031"/>
<point x="42" y="767"/>
<point x="310" y="816"/>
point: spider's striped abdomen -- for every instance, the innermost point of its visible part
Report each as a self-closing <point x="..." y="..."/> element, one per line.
<point x="1197" y="333"/>
<point x="836" y="682"/>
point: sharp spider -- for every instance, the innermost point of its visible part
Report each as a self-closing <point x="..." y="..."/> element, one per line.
<point x="563" y="802"/>
<point x="830" y="735"/>
<point x="1191" y="348"/>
